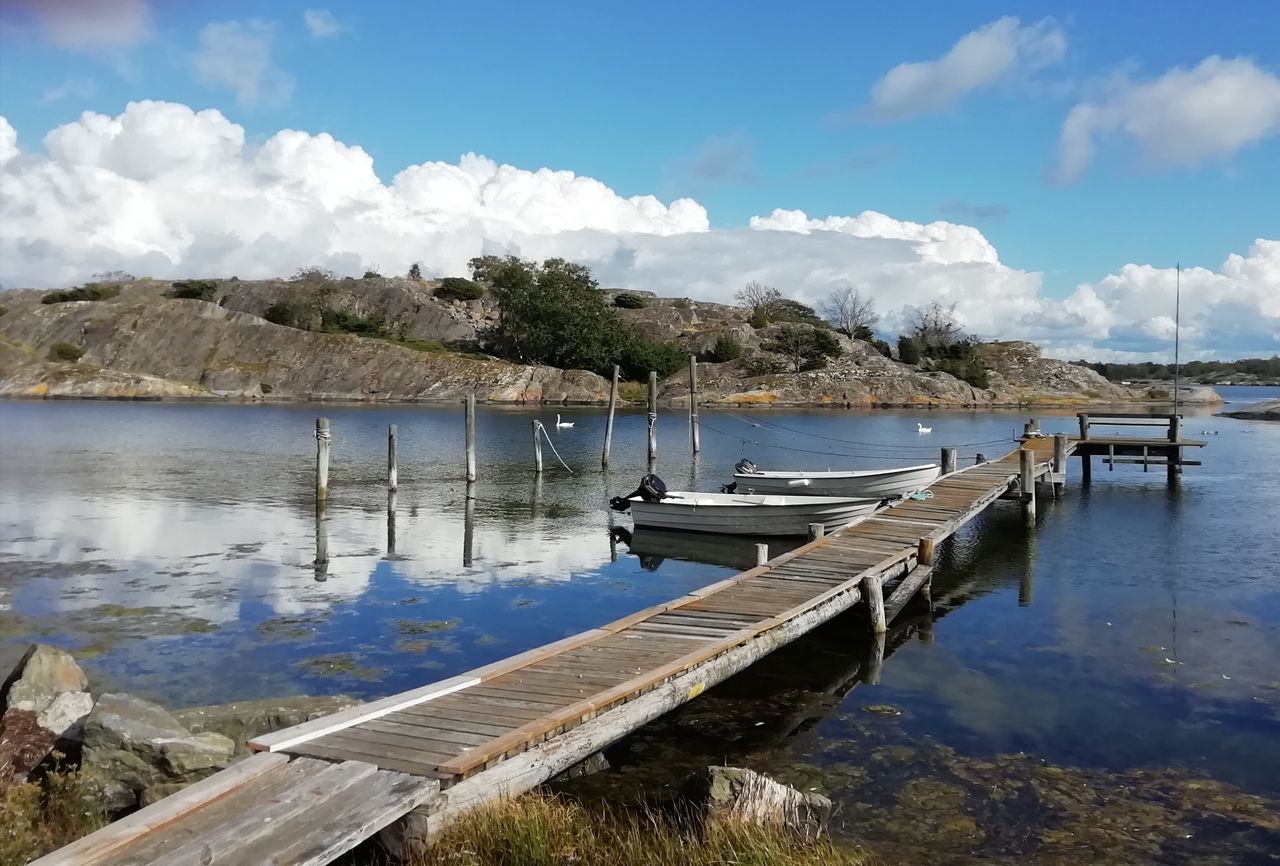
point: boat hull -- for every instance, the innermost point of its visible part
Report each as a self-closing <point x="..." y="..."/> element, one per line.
<point x="872" y="484"/>
<point x="730" y="514"/>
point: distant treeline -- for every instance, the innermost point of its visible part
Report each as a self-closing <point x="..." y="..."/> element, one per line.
<point x="1263" y="368"/>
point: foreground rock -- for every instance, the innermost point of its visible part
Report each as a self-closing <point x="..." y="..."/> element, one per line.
<point x="24" y="745"/>
<point x="241" y="721"/>
<point x="132" y="745"/>
<point x="734" y="794"/>
<point x="48" y="682"/>
<point x="1263" y="410"/>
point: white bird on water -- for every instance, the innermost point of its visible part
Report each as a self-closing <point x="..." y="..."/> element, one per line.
<point x="920" y="428"/>
<point x="560" y="423"/>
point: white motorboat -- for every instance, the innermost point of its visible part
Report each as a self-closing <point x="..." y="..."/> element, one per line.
<point x="868" y="484"/>
<point x="747" y="514"/>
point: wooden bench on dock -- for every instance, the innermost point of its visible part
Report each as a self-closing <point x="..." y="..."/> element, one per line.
<point x="1145" y="451"/>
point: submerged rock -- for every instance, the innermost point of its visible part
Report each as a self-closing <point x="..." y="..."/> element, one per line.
<point x="736" y="794"/>
<point x="131" y="745"/>
<point x="48" y="682"/>
<point x="241" y="721"/>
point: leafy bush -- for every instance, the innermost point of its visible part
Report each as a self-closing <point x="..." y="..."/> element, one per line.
<point x="908" y="350"/>
<point x="806" y="347"/>
<point x="200" y="290"/>
<point x="66" y="352"/>
<point x="287" y="314"/>
<point x="313" y="273"/>
<point x="372" y="275"/>
<point x="726" y="348"/>
<point x="758" y="318"/>
<point x="415" y="271"/>
<point x="629" y="301"/>
<point x="973" y="370"/>
<point x="883" y="348"/>
<point x="3" y="309"/>
<point x="787" y="310"/>
<point x="640" y="355"/>
<point x="39" y="817"/>
<point x="763" y="364"/>
<point x="459" y="289"/>
<point x="341" y="322"/>
<point x="87" y="292"/>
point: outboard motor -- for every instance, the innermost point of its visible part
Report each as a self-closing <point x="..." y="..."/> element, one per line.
<point x="745" y="467"/>
<point x="731" y="487"/>
<point x="651" y="489"/>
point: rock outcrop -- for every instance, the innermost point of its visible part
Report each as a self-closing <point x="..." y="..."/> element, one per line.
<point x="1263" y="410"/>
<point x="142" y="344"/>
<point x="132" y="745"/>
<point x="48" y="682"/>
<point x="241" y="721"/>
<point x="735" y="794"/>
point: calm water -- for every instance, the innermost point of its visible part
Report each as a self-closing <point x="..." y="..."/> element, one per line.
<point x="1137" y="630"/>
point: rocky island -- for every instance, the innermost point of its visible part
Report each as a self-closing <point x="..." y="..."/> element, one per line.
<point x="318" y="337"/>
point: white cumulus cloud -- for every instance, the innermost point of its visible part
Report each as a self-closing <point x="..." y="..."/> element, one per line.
<point x="164" y="190"/>
<point x="237" y="55"/>
<point x="994" y="52"/>
<point x="1181" y="118"/>
<point x="321" y="24"/>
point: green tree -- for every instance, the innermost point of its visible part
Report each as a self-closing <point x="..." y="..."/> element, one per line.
<point x="727" y="347"/>
<point x="908" y="350"/>
<point x="459" y="289"/>
<point x="415" y="271"/>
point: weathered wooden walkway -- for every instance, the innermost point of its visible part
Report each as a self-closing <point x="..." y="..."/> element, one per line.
<point x="316" y="790"/>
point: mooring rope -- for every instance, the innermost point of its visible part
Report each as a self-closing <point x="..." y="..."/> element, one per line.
<point x="547" y="436"/>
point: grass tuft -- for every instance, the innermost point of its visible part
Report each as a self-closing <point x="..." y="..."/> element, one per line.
<point x="539" y="830"/>
<point x="36" y="818"/>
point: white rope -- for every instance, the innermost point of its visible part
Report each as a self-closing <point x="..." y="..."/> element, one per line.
<point x="547" y="436"/>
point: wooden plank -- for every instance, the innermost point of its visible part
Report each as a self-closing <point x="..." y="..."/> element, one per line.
<point x="99" y="845"/>
<point x="906" y="590"/>
<point x="334" y="827"/>
<point x="429" y="732"/>
<point x="396" y="745"/>
<point x="222" y="843"/>
<point x="421" y="765"/>
<point x="155" y="847"/>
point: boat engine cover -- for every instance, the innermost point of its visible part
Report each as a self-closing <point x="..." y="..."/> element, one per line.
<point x="745" y="467"/>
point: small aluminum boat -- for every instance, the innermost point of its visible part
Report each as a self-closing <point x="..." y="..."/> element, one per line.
<point x="866" y="484"/>
<point x="748" y="514"/>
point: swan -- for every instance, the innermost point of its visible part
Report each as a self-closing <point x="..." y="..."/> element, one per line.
<point x="560" y="423"/>
<point x="920" y="428"/>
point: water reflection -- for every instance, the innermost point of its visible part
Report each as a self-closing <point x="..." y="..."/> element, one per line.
<point x="654" y="546"/>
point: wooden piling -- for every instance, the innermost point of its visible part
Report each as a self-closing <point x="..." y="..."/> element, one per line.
<point x="875" y="659"/>
<point x="1032" y="426"/>
<point x="471" y="438"/>
<point x="608" y="424"/>
<point x="873" y="592"/>
<point x="693" y="403"/>
<point x="924" y="552"/>
<point x="762" y="554"/>
<point x="393" y="480"/>
<point x="1174" y="467"/>
<point x="653" y="421"/>
<point x="1027" y="482"/>
<point x="948" y="461"/>
<point x="323" y="438"/>
<point x="1084" y="426"/>
<point x="816" y="531"/>
<point x="537" y="447"/>
<point x="1059" y="463"/>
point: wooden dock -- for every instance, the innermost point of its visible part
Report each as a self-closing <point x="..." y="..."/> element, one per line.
<point x="316" y="790"/>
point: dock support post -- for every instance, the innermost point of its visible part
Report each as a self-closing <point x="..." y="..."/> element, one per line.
<point x="1032" y="426"/>
<point x="1027" y="482"/>
<point x="1084" y="426"/>
<point x="875" y="659"/>
<point x="693" y="403"/>
<point x="924" y="552"/>
<point x="1175" y="451"/>
<point x="537" y="447"/>
<point x="948" y="461"/>
<point x="816" y="531"/>
<point x="1059" y="463"/>
<point x="1086" y="467"/>
<point x="608" y="424"/>
<point x="653" y="421"/>
<point x="393" y="474"/>
<point x="471" y="438"/>
<point x="323" y="438"/>
<point x="762" y="554"/>
<point x="873" y="592"/>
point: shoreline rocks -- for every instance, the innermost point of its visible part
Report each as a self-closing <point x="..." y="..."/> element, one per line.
<point x="1263" y="410"/>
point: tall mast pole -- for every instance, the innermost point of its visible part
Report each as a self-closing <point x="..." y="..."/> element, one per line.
<point x="1177" y="322"/>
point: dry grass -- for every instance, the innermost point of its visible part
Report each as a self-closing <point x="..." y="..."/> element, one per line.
<point x="539" y="830"/>
<point x="37" y="817"/>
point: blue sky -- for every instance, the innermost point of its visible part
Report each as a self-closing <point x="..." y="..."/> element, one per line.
<point x="745" y="107"/>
